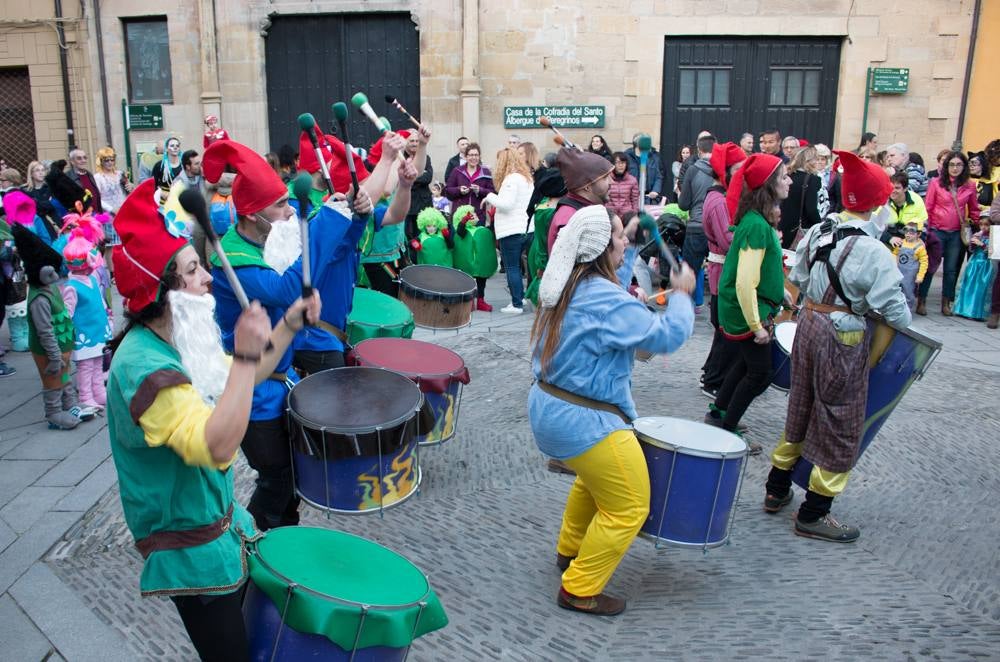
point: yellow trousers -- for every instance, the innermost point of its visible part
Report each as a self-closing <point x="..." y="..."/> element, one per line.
<point x="821" y="481"/>
<point x="607" y="505"/>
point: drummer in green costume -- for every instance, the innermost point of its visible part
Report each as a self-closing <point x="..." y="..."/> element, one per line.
<point x="475" y="251"/>
<point x="551" y="187"/>
<point x="177" y="412"/>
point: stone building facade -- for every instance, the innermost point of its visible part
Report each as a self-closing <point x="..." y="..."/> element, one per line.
<point x="477" y="57"/>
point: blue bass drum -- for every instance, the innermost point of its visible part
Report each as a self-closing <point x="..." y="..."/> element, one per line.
<point x="695" y="474"/>
<point x="781" y="355"/>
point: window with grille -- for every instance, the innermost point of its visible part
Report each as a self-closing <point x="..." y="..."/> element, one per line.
<point x="147" y="60"/>
<point x="795" y="87"/>
<point x="704" y="87"/>
<point x="17" y="119"/>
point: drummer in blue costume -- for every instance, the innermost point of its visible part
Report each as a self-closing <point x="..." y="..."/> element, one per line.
<point x="844" y="271"/>
<point x="581" y="406"/>
<point x="263" y="251"/>
<point x="177" y="410"/>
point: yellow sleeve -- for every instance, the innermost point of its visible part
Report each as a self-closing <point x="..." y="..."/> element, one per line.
<point x="921" y="254"/>
<point x="177" y="419"/>
<point x="747" y="279"/>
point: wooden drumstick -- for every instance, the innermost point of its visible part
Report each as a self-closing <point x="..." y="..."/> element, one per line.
<point x="565" y="142"/>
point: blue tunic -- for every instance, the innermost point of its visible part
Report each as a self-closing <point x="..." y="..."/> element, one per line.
<point x="600" y="332"/>
<point x="91" y="328"/>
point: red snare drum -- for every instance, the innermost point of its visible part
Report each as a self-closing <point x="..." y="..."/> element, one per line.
<point x="440" y="373"/>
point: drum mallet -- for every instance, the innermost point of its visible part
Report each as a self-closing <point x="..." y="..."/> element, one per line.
<point x="308" y="124"/>
<point x="391" y="100"/>
<point x="340" y="113"/>
<point x="645" y="145"/>
<point x="193" y="203"/>
<point x="565" y="142"/>
<point x="300" y="188"/>
<point x="360" y="101"/>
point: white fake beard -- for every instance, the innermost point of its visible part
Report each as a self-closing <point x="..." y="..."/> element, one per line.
<point x="283" y="244"/>
<point x="195" y="335"/>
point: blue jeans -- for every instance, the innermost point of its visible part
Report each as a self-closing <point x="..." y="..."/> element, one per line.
<point x="951" y="260"/>
<point x="511" y="249"/>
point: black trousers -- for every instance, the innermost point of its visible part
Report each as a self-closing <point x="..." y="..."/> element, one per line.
<point x="380" y="279"/>
<point x="268" y="450"/>
<point x="311" y="362"/>
<point x="815" y="506"/>
<point x="748" y="377"/>
<point x="723" y="353"/>
<point x="480" y="287"/>
<point x="215" y="624"/>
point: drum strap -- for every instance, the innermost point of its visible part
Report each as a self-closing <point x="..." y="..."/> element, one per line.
<point x="332" y="330"/>
<point x="582" y="401"/>
<point x="166" y="540"/>
<point x="827" y="308"/>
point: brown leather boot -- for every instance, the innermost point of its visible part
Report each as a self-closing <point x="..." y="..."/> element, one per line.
<point x="946" y="307"/>
<point x="993" y="321"/>
<point x="921" y="306"/>
<point x="599" y="605"/>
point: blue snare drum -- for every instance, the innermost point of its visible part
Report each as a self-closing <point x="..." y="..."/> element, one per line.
<point x="781" y="355"/>
<point x="896" y="360"/>
<point x="695" y="473"/>
<point x="354" y="439"/>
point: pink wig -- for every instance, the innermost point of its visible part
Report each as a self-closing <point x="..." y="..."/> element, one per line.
<point x="20" y="208"/>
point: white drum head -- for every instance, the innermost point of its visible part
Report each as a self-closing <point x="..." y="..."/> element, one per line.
<point x="784" y="335"/>
<point x="689" y="437"/>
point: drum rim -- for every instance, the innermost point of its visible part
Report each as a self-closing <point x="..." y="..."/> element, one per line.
<point x="412" y="375"/>
<point x="910" y="331"/>
<point x="313" y="425"/>
<point x="415" y="288"/>
<point x="786" y="350"/>
<point x="403" y="309"/>
<point x="254" y="550"/>
<point x="684" y="450"/>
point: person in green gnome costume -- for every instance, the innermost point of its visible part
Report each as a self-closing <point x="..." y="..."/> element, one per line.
<point x="475" y="251"/>
<point x="177" y="411"/>
<point x="50" y="331"/>
<point x="552" y="188"/>
<point x="434" y="244"/>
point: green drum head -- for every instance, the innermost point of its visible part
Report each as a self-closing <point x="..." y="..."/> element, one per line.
<point x="377" y="315"/>
<point x="343" y="566"/>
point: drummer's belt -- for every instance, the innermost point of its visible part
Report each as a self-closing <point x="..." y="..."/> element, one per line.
<point x="826" y="307"/>
<point x="582" y="401"/>
<point x="332" y="330"/>
<point x="166" y="540"/>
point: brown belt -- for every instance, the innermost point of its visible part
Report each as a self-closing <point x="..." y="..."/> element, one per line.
<point x="279" y="376"/>
<point x="165" y="540"/>
<point x="582" y="401"/>
<point x="826" y="308"/>
<point x="334" y="331"/>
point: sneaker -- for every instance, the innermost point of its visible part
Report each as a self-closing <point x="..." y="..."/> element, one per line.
<point x="599" y="605"/>
<point x="698" y="310"/>
<point x="773" y="504"/>
<point x="483" y="306"/>
<point x="512" y="309"/>
<point x="6" y="370"/>
<point x="709" y="392"/>
<point x="83" y="413"/>
<point x="826" y="528"/>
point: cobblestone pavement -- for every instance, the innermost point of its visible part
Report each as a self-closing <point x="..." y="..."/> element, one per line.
<point x="922" y="582"/>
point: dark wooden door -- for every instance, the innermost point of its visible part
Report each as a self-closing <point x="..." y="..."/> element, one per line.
<point x="732" y="85"/>
<point x="316" y="60"/>
<point x="17" y="120"/>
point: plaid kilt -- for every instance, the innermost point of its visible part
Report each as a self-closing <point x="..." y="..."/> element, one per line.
<point x="826" y="403"/>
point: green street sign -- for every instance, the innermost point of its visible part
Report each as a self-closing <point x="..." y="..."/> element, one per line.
<point x="562" y="117"/>
<point x="145" y="117"/>
<point x="890" y="81"/>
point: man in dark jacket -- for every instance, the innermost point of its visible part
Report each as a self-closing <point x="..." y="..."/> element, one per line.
<point x="654" y="171"/>
<point x="698" y="179"/>
<point x="420" y="193"/>
<point x="458" y="159"/>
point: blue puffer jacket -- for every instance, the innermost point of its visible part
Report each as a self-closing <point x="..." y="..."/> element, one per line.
<point x="654" y="170"/>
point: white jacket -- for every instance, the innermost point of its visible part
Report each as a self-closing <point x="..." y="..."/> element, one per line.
<point x="512" y="206"/>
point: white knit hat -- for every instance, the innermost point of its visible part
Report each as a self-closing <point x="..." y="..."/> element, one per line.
<point x="583" y="239"/>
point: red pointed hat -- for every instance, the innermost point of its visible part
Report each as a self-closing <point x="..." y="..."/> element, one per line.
<point x="756" y="170"/>
<point x="256" y="186"/>
<point x="333" y="152"/>
<point x="864" y="185"/>
<point x="725" y="156"/>
<point x="375" y="153"/>
<point x="147" y="248"/>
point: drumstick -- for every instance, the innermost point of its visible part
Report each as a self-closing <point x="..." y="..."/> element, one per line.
<point x="392" y="100"/>
<point x="361" y="102"/>
<point x="547" y="123"/>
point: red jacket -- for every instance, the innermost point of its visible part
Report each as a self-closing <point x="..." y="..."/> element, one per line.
<point x="941" y="206"/>
<point x="623" y="196"/>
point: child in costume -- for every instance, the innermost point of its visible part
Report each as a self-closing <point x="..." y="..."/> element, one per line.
<point x="434" y="245"/>
<point x="441" y="203"/>
<point x="975" y="292"/>
<point x="50" y="331"/>
<point x="475" y="251"/>
<point x="22" y="209"/>
<point x="91" y="323"/>
<point x="911" y="258"/>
